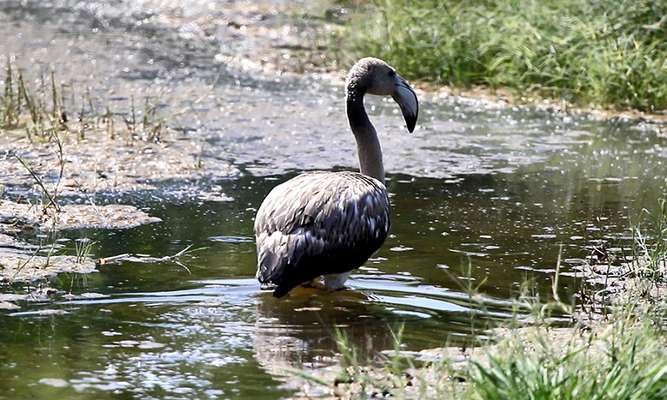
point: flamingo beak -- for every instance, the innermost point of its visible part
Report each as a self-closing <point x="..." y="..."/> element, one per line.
<point x="407" y="100"/>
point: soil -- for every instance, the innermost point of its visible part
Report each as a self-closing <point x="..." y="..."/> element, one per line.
<point x="106" y="162"/>
<point x="72" y="216"/>
<point x="28" y="267"/>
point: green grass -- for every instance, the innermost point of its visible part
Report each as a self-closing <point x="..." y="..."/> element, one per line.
<point x="627" y="360"/>
<point x="650" y="245"/>
<point x="605" y="52"/>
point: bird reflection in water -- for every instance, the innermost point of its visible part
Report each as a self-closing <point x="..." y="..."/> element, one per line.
<point x="301" y="330"/>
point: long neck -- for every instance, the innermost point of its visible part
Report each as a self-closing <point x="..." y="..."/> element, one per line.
<point x="368" y="145"/>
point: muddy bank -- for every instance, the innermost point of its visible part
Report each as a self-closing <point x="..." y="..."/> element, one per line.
<point x="72" y="216"/>
<point x="432" y="372"/>
<point x="29" y="267"/>
<point x="102" y="161"/>
<point x="641" y="279"/>
<point x="298" y="38"/>
<point x="502" y="98"/>
<point x="23" y="262"/>
<point x="533" y="360"/>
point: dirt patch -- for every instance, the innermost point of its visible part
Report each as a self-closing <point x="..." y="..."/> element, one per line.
<point x="640" y="280"/>
<point x="101" y="162"/>
<point x="360" y="382"/>
<point x="72" y="216"/>
<point x="28" y="268"/>
<point x="285" y="38"/>
<point x="10" y="241"/>
<point x="269" y="36"/>
<point x="24" y="262"/>
<point x="502" y="98"/>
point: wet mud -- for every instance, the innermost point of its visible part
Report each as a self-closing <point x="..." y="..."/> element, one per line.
<point x="30" y="267"/>
<point x="102" y="163"/>
<point x="21" y="261"/>
<point x="73" y="216"/>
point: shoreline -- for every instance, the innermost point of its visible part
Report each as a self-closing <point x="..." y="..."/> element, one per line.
<point x="306" y="50"/>
<point x="501" y="97"/>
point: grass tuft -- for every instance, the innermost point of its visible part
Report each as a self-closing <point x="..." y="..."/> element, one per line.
<point x="650" y="250"/>
<point x="625" y="361"/>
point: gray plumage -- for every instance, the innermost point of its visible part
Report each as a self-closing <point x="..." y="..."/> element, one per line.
<point x="324" y="223"/>
<point x="319" y="223"/>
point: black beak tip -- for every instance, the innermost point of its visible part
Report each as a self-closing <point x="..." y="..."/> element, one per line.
<point x="411" y="125"/>
<point x="411" y="122"/>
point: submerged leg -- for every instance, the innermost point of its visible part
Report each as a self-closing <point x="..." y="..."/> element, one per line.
<point x="309" y="284"/>
<point x="336" y="281"/>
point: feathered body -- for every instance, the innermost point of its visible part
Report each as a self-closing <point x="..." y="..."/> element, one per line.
<point x="319" y="223"/>
<point x="329" y="223"/>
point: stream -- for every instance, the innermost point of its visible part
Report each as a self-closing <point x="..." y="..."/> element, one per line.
<point x="484" y="197"/>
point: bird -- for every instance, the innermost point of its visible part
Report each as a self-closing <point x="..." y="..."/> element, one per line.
<point x="329" y="223"/>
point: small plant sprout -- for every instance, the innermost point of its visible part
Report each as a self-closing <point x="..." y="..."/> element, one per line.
<point x="83" y="248"/>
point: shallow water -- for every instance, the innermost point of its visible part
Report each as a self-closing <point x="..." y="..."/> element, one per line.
<point x="498" y="188"/>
